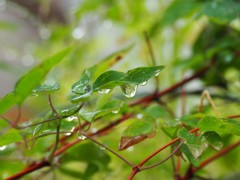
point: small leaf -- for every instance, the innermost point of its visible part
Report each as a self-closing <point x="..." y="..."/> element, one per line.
<point x="106" y="109"/>
<point x="187" y="136"/>
<point x="82" y="97"/>
<point x="191" y="120"/>
<point x="45" y="89"/>
<point x="135" y="133"/>
<point x="126" y="142"/>
<point x="186" y="151"/>
<point x="228" y="126"/>
<point x="214" y="140"/>
<point x="142" y="74"/>
<point x="108" y="80"/>
<point x="139" y="128"/>
<point x="69" y="111"/>
<point x="11" y="136"/>
<point x="80" y="86"/>
<point x="156" y="111"/>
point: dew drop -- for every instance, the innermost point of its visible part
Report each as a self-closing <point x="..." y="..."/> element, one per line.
<point x="82" y="137"/>
<point x="139" y="116"/>
<point x="102" y="148"/>
<point x="104" y="91"/>
<point x="94" y="130"/>
<point x="217" y="145"/>
<point x="143" y="83"/>
<point x="157" y="73"/>
<point x="130" y="149"/>
<point x="115" y="111"/>
<point x="2" y="148"/>
<point x="71" y="118"/>
<point x="129" y="90"/>
<point x="67" y="134"/>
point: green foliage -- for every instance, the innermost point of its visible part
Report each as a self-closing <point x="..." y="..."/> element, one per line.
<point x="76" y="137"/>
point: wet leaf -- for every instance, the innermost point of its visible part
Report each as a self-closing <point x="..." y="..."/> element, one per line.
<point x="45" y="89"/>
<point x="186" y="151"/>
<point x="135" y="133"/>
<point x="11" y="136"/>
<point x="106" y="109"/>
<point x="219" y="125"/>
<point x="214" y="140"/>
<point x="126" y="142"/>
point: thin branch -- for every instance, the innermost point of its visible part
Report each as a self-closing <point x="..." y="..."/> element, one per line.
<point x="51" y="104"/>
<point x="156" y="164"/>
<point x="110" y="150"/>
<point x="206" y="94"/>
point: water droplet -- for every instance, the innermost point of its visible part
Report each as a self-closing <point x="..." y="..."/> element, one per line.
<point x="2" y="148"/>
<point x="71" y="118"/>
<point x="143" y="83"/>
<point x="82" y="137"/>
<point x="129" y="90"/>
<point x="78" y="33"/>
<point x="67" y="134"/>
<point x="139" y="116"/>
<point x="102" y="148"/>
<point x="115" y="111"/>
<point x="197" y="151"/>
<point x="157" y="72"/>
<point x="217" y="145"/>
<point x="87" y="88"/>
<point x="93" y="130"/>
<point x="104" y="91"/>
<point x="130" y="149"/>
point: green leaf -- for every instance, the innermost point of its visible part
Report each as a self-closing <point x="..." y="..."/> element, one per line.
<point x="142" y="74"/>
<point x="178" y="9"/>
<point x="228" y="126"/>
<point x="187" y="136"/>
<point x="191" y="119"/>
<point x="139" y="128"/>
<point x="111" y="107"/>
<point x="87" y="152"/>
<point x="45" y="89"/>
<point x="186" y="151"/>
<point x="109" y="61"/>
<point x="214" y="140"/>
<point x="69" y="111"/>
<point x="221" y="11"/>
<point x="110" y="79"/>
<point x="29" y="81"/>
<point x="156" y="111"/>
<point x="11" y="136"/>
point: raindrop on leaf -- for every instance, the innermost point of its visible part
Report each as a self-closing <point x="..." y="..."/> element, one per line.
<point x="104" y="91"/>
<point x="129" y="90"/>
<point x="143" y="83"/>
<point x="82" y="137"/>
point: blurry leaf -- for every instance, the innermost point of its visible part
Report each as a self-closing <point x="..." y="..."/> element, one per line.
<point x="8" y="167"/>
<point x="8" y="26"/>
<point x="221" y="11"/>
<point x="110" y="107"/>
<point x="109" y="61"/>
<point x="228" y="126"/>
<point x="126" y="142"/>
<point x="186" y="151"/>
<point x="11" y="136"/>
<point x="69" y="111"/>
<point x="191" y="119"/>
<point x="45" y="89"/>
<point x="156" y="111"/>
<point x="187" y="136"/>
<point x="135" y="133"/>
<point x="71" y="173"/>
<point x="91" y="169"/>
<point x="178" y="9"/>
<point x="193" y="143"/>
<point x="214" y="140"/>
<point x="139" y="128"/>
<point x="87" y="152"/>
<point x="26" y="83"/>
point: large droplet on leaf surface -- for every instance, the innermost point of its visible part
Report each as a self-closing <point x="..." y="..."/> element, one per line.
<point x="129" y="90"/>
